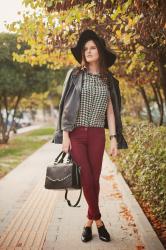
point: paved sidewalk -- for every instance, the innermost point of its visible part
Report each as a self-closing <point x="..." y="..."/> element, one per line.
<point x="32" y="217"/>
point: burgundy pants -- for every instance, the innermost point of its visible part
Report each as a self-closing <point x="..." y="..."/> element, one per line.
<point x="88" y="145"/>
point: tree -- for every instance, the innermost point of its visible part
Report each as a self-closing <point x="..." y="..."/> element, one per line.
<point x="135" y="30"/>
<point x="49" y="99"/>
<point x="16" y="81"/>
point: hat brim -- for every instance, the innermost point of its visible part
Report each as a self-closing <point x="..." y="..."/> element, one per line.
<point x="87" y="35"/>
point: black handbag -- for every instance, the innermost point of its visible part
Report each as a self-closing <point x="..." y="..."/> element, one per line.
<point x="64" y="175"/>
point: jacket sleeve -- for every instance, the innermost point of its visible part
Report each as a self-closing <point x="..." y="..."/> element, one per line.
<point x="116" y="101"/>
<point x="118" y="94"/>
<point x="65" y="86"/>
<point x="71" y="103"/>
<point x="58" y="133"/>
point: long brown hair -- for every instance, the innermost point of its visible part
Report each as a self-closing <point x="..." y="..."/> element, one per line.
<point x="102" y="64"/>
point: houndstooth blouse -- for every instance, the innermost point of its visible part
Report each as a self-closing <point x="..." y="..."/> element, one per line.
<point x="94" y="100"/>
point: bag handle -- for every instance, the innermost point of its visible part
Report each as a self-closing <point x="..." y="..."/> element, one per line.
<point x="62" y="158"/>
<point x="69" y="203"/>
<point x="56" y="159"/>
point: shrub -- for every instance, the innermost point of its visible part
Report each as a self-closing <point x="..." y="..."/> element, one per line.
<point x="143" y="164"/>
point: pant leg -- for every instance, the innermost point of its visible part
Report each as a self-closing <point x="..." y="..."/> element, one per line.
<point x="79" y="153"/>
<point x="96" y="146"/>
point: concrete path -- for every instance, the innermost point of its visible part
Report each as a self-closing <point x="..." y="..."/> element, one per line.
<point x="32" y="217"/>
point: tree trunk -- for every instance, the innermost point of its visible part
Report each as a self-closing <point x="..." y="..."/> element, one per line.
<point x="159" y="101"/>
<point x="3" y="122"/>
<point x="143" y="93"/>
<point x="3" y="129"/>
<point x="162" y="72"/>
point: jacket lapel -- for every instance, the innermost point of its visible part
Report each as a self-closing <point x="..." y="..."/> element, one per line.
<point x="77" y="79"/>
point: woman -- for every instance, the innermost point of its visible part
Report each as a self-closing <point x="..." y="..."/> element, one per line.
<point x="85" y="140"/>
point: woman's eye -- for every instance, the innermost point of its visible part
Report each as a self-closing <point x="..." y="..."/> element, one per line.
<point x="90" y="48"/>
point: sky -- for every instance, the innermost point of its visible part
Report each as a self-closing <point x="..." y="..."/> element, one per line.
<point x="8" y="12"/>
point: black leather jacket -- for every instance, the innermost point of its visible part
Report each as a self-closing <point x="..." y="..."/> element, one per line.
<point x="70" y="101"/>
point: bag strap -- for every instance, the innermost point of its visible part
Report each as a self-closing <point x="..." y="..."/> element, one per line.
<point x="66" y="192"/>
<point x="62" y="158"/>
<point x="69" y="203"/>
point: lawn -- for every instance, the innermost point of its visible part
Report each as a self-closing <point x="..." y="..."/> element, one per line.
<point x="21" y="146"/>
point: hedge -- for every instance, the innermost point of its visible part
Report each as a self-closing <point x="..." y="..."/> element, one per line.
<point x="143" y="164"/>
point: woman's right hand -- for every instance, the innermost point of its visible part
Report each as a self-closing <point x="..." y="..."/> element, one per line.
<point x="66" y="144"/>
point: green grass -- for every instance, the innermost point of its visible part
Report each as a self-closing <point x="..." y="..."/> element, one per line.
<point x="21" y="146"/>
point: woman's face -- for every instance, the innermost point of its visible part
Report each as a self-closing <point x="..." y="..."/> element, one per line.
<point x="91" y="52"/>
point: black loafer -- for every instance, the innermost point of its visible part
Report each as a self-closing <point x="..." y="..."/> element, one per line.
<point x="103" y="233"/>
<point x="86" y="234"/>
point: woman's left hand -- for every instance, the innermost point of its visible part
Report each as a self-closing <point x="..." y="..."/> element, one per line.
<point x="113" y="147"/>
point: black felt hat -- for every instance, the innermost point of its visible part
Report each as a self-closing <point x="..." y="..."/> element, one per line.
<point x="87" y="35"/>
